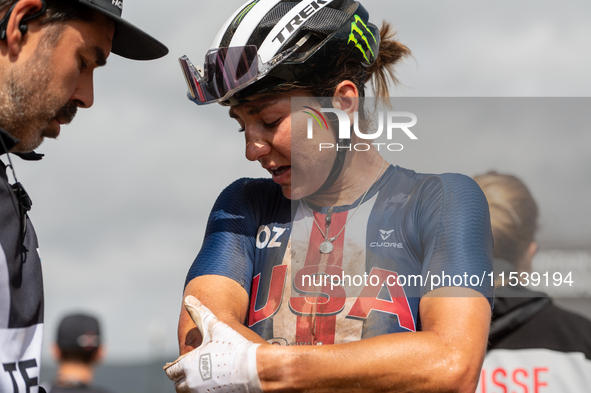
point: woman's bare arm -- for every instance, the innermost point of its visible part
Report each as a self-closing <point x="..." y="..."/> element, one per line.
<point x="225" y="298"/>
<point x="446" y="356"/>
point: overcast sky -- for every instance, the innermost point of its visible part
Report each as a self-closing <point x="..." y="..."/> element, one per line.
<point x="121" y="199"/>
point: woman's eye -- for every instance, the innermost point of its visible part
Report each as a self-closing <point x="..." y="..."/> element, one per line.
<point x="241" y="129"/>
<point x="273" y="124"/>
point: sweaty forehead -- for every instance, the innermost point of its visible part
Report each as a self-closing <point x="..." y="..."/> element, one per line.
<point x="257" y="105"/>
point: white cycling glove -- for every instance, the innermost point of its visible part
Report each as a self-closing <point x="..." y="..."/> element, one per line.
<point x="225" y="362"/>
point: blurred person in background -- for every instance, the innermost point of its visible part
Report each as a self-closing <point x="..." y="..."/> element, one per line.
<point x="534" y="345"/>
<point x="78" y="350"/>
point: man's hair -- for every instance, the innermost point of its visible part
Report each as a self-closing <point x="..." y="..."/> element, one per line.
<point x="61" y="11"/>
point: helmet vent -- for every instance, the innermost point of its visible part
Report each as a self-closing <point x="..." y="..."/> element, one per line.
<point x="235" y="23"/>
<point x="324" y="22"/>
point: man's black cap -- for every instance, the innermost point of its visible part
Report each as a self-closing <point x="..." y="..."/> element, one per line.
<point x="129" y="41"/>
<point x="79" y="332"/>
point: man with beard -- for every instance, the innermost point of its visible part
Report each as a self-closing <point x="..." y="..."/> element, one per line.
<point x="49" y="50"/>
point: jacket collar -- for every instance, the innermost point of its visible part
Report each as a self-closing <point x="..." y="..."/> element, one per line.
<point x="8" y="142"/>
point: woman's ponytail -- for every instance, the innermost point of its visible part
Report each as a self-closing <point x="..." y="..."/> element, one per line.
<point x="382" y="70"/>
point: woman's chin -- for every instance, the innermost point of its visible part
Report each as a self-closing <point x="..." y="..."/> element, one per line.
<point x="287" y="192"/>
<point x="295" y="193"/>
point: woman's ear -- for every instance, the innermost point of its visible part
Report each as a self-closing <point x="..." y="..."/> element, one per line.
<point x="346" y="98"/>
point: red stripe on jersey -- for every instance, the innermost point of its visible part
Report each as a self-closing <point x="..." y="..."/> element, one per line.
<point x="316" y="315"/>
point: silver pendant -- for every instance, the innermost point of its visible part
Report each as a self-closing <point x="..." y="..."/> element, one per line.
<point x="326" y="247"/>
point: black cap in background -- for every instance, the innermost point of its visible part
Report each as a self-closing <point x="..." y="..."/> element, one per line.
<point x="79" y="332"/>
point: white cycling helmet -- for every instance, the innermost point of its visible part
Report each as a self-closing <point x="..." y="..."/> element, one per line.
<point x="269" y="43"/>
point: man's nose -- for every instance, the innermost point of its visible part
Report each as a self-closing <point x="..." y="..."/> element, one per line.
<point x="84" y="93"/>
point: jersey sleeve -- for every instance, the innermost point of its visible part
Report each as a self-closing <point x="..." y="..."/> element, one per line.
<point x="228" y="246"/>
<point x="456" y="235"/>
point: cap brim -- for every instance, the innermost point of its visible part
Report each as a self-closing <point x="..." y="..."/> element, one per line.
<point x="131" y="42"/>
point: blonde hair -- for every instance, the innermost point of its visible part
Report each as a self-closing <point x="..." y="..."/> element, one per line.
<point x="513" y="215"/>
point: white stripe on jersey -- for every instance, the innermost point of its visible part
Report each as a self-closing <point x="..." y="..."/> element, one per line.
<point x="284" y="321"/>
<point x="354" y="249"/>
<point x="4" y="291"/>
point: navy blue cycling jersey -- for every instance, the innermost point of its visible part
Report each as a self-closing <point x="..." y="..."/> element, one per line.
<point x="412" y="233"/>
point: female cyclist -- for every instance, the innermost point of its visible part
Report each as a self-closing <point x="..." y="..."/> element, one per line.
<point x="270" y="245"/>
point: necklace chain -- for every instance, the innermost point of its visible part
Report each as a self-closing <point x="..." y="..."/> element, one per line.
<point x="326" y="247"/>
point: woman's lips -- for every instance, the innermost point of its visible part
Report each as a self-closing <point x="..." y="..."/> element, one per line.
<point x="280" y="174"/>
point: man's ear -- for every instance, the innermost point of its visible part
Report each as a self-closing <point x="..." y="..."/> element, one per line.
<point x="346" y="98"/>
<point x="16" y="28"/>
<point x="100" y="354"/>
<point x="56" y="352"/>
